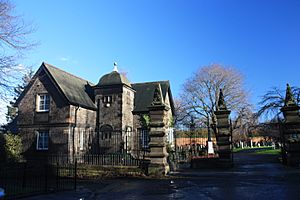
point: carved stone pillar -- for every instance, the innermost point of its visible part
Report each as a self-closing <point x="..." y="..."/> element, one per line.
<point x="290" y="130"/>
<point x="158" y="153"/>
<point x="223" y="133"/>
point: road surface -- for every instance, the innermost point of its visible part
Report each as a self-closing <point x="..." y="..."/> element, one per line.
<point x="253" y="177"/>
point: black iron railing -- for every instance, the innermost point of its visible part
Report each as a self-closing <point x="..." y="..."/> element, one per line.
<point x="117" y="159"/>
<point x="23" y="179"/>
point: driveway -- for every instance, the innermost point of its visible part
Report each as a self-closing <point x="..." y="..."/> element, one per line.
<point x="253" y="177"/>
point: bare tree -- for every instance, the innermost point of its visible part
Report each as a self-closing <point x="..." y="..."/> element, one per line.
<point x="181" y="114"/>
<point x="14" y="42"/>
<point x="201" y="91"/>
<point x="244" y="124"/>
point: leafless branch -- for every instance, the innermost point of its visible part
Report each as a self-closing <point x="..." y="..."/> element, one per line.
<point x="14" y="42"/>
<point x="200" y="92"/>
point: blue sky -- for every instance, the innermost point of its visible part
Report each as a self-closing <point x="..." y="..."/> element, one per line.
<point x="168" y="39"/>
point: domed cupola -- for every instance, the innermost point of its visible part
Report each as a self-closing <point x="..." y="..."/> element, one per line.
<point x="113" y="78"/>
<point x="114" y="98"/>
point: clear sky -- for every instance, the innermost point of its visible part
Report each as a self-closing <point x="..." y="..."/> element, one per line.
<point x="168" y="39"/>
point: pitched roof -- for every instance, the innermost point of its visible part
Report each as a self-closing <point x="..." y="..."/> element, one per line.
<point x="80" y="92"/>
<point x="77" y="90"/>
<point x="145" y="92"/>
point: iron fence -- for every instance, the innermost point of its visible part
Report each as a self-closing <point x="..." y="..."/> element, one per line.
<point x="117" y="159"/>
<point x="192" y="144"/>
<point x="120" y="142"/>
<point x="24" y="179"/>
<point x="113" y="148"/>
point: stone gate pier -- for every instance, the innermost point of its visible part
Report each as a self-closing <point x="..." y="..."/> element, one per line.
<point x="158" y="123"/>
<point x="223" y="135"/>
<point x="290" y="130"/>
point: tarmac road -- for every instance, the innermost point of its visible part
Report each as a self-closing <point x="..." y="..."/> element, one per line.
<point x="253" y="177"/>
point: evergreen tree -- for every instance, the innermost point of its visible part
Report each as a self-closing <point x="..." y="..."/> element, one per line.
<point x="11" y="109"/>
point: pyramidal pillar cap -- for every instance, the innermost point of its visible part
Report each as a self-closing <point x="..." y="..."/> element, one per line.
<point x="289" y="97"/>
<point x="221" y="101"/>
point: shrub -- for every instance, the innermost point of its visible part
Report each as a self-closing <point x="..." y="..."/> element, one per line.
<point x="12" y="147"/>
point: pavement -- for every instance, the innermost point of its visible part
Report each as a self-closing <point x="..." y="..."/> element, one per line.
<point x="253" y="177"/>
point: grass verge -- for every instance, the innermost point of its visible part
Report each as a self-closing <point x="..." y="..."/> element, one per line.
<point x="235" y="150"/>
<point x="269" y="151"/>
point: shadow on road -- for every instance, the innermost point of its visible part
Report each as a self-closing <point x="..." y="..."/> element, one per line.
<point x="254" y="176"/>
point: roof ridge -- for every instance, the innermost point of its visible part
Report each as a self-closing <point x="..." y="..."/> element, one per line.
<point x="151" y="82"/>
<point x="47" y="64"/>
<point x="60" y="78"/>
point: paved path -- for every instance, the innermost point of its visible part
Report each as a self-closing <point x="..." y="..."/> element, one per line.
<point x="253" y="177"/>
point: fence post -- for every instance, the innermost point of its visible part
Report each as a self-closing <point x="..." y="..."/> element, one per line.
<point x="57" y="175"/>
<point x="75" y="175"/>
<point x="46" y="178"/>
<point x="24" y="176"/>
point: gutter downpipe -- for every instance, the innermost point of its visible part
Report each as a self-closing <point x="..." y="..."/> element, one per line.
<point x="73" y="133"/>
<point x="98" y="126"/>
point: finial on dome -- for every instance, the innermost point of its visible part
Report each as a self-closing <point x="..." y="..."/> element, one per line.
<point x="115" y="67"/>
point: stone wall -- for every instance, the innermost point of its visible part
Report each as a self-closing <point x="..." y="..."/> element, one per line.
<point x="56" y="121"/>
<point x="117" y="114"/>
<point x="85" y="126"/>
<point x="58" y="141"/>
<point x="59" y="109"/>
<point x="127" y="108"/>
<point x="110" y="113"/>
<point x="137" y="122"/>
<point x="59" y="121"/>
<point x="169" y="119"/>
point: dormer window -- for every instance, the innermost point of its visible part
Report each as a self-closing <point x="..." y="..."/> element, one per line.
<point x="107" y="100"/>
<point x="43" y="102"/>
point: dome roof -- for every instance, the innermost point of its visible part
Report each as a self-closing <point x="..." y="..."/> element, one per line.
<point x="113" y="78"/>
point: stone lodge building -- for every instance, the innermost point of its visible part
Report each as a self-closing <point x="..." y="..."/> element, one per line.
<point x="59" y="113"/>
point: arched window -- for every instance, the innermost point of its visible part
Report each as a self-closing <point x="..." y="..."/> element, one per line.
<point x="128" y="139"/>
<point x="106" y="131"/>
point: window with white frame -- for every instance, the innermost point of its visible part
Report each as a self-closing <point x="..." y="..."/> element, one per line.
<point x="42" y="140"/>
<point x="107" y="100"/>
<point x="128" y="138"/>
<point x="81" y="140"/>
<point x="43" y="102"/>
<point x="170" y="137"/>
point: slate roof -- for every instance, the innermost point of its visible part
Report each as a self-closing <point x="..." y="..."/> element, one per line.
<point x="145" y="92"/>
<point x="77" y="90"/>
<point x="113" y="78"/>
<point x="80" y="92"/>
